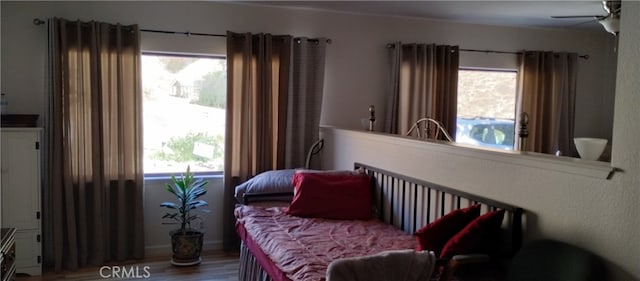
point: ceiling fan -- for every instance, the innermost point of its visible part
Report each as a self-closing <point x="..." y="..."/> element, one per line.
<point x="610" y="21"/>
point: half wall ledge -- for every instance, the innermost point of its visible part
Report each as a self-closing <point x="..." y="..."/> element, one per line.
<point x="570" y="165"/>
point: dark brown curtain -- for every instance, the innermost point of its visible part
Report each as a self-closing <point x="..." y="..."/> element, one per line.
<point x="547" y="94"/>
<point x="424" y="83"/>
<point x="93" y="195"/>
<point x="305" y="99"/>
<point x="257" y="95"/>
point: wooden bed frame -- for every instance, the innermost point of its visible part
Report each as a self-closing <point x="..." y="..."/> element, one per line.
<point x="409" y="203"/>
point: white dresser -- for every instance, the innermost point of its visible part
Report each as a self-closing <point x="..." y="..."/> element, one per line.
<point x="21" y="187"/>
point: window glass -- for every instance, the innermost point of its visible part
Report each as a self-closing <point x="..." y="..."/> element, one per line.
<point x="486" y="108"/>
<point x="184" y="113"/>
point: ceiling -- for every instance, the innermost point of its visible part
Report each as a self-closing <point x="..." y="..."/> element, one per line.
<point x="505" y="13"/>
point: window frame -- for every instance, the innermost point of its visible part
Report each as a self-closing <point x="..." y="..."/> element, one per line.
<point x="516" y="98"/>
<point x="168" y="175"/>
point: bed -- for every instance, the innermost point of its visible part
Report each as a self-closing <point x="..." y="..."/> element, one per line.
<point x="281" y="245"/>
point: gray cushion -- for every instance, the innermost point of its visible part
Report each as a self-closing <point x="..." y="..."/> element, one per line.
<point x="275" y="181"/>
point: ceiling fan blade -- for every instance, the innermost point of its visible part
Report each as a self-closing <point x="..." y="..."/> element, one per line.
<point x="577" y="17"/>
<point x="583" y="22"/>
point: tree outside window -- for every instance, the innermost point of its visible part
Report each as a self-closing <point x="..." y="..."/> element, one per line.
<point x="184" y="113"/>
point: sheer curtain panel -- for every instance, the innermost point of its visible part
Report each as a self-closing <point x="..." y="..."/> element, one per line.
<point x="93" y="195"/>
<point x="548" y="94"/>
<point x="257" y="95"/>
<point x="424" y="83"/>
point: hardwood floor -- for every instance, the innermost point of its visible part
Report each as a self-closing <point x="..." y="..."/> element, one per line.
<point x="216" y="265"/>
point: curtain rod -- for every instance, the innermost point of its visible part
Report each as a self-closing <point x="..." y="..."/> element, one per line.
<point x="297" y="39"/>
<point x="182" y="33"/>
<point x="586" y="57"/>
<point x="38" y="21"/>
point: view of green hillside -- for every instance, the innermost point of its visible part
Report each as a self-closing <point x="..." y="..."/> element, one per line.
<point x="184" y="113"/>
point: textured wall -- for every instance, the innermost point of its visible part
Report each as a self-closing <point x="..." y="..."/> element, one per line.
<point x="626" y="133"/>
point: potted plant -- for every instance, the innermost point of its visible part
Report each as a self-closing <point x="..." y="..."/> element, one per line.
<point x="186" y="242"/>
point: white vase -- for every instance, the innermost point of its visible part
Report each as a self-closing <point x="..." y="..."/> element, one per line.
<point x="590" y="148"/>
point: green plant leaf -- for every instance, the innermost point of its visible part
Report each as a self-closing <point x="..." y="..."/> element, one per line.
<point x="195" y="204"/>
<point x="170" y="205"/>
<point x="170" y="189"/>
<point x="187" y="189"/>
<point x="170" y="215"/>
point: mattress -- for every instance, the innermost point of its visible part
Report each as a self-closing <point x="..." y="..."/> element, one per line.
<point x="300" y="249"/>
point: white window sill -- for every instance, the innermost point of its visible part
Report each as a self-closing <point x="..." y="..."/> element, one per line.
<point x="164" y="177"/>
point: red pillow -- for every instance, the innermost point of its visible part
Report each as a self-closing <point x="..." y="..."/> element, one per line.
<point x="331" y="196"/>
<point x="435" y="235"/>
<point x="480" y="236"/>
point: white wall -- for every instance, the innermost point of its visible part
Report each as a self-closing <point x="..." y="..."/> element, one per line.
<point x="355" y="71"/>
<point x="592" y="212"/>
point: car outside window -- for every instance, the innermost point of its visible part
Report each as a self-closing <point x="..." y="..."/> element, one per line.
<point x="486" y="108"/>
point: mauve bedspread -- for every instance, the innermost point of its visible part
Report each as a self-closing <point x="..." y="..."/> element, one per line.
<point x="303" y="248"/>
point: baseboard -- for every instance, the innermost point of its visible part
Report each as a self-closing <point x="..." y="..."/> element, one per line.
<point x="165" y="249"/>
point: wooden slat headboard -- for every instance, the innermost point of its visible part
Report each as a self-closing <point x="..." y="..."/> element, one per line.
<point x="410" y="203"/>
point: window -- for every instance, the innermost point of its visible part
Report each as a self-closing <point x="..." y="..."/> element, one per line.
<point x="486" y="108"/>
<point x="183" y="112"/>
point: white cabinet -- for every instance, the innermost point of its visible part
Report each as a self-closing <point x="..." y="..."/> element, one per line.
<point x="21" y="170"/>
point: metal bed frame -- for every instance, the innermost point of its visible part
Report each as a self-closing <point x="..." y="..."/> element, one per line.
<point x="410" y="203"/>
<point x="429" y="128"/>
